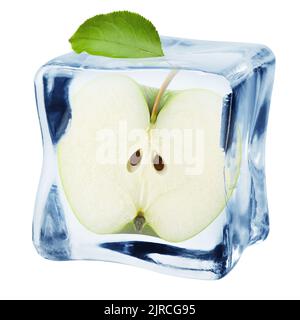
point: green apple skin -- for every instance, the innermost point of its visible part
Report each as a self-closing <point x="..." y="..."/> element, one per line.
<point x="131" y="229"/>
<point x="106" y="198"/>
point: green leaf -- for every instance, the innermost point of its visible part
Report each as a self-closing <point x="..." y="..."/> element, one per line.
<point x="120" y="34"/>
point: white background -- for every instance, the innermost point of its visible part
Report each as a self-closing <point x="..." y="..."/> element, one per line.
<point x="32" y="32"/>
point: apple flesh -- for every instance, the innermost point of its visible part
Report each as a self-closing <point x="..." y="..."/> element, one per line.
<point x="148" y="194"/>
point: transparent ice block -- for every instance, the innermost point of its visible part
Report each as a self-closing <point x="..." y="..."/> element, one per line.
<point x="242" y="74"/>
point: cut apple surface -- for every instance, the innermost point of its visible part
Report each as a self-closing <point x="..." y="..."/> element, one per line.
<point x="102" y="196"/>
<point x="152" y="192"/>
<point x="182" y="204"/>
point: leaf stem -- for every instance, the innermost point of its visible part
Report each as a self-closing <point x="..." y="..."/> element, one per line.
<point x="161" y="92"/>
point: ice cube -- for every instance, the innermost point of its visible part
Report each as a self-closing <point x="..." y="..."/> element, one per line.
<point x="156" y="162"/>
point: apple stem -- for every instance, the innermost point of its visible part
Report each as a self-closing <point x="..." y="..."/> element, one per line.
<point x="161" y="91"/>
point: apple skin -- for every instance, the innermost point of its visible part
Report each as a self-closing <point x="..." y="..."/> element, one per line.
<point x="105" y="198"/>
<point x="146" y="230"/>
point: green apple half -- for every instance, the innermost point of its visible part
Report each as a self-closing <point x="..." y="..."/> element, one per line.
<point x="147" y="194"/>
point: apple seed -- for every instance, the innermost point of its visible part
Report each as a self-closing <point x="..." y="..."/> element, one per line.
<point x="134" y="160"/>
<point x="158" y="163"/>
